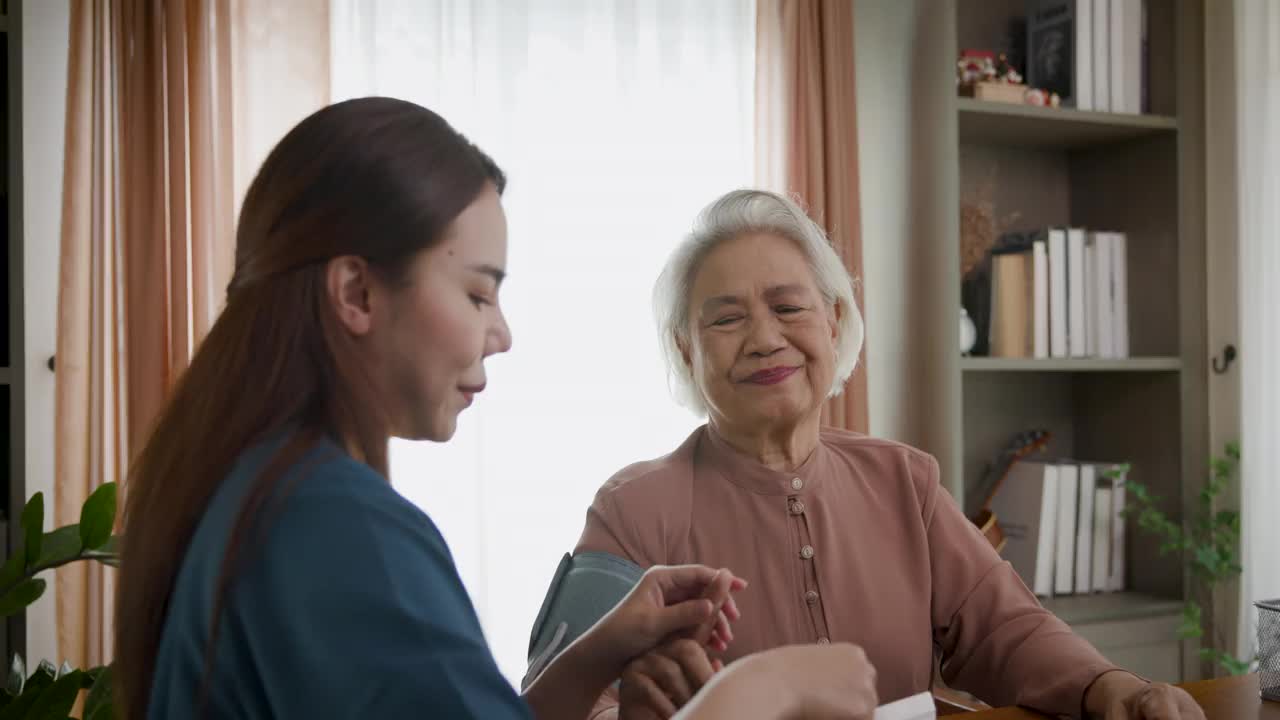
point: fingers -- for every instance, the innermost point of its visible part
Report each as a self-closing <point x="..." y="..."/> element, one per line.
<point x="716" y="665"/>
<point x="686" y="616"/>
<point x="683" y="582"/>
<point x="717" y="591"/>
<point x="669" y="676"/>
<point x="678" y="583"/>
<point x="639" y="687"/>
<point x="693" y="661"/>
<point x="1156" y="702"/>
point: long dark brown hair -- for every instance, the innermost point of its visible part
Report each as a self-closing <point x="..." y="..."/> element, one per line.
<point x="376" y="178"/>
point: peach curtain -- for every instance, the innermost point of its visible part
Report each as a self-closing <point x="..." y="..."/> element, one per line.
<point x="145" y="254"/>
<point x="807" y="138"/>
<point x="171" y="107"/>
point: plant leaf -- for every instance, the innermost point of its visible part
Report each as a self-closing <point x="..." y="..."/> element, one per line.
<point x="98" y="516"/>
<point x="59" y="547"/>
<point x="33" y="527"/>
<point x="1235" y="666"/>
<point x="97" y="706"/>
<point x="22" y="595"/>
<point x="41" y="680"/>
<point x="1190" y="626"/>
<point x="17" y="675"/>
<point x="56" y="701"/>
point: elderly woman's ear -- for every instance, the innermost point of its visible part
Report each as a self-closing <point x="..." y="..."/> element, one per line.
<point x="683" y="345"/>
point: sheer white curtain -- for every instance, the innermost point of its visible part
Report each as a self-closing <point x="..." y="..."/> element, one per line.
<point x="1257" y="33"/>
<point x="615" y="121"/>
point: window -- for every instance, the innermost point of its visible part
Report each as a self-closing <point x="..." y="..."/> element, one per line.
<point x="615" y="122"/>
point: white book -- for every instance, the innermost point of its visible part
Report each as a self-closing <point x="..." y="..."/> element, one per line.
<point x="1101" y="55"/>
<point x="1084" y="55"/>
<point x="1116" y="581"/>
<point x="1064" y="558"/>
<point x="1026" y="506"/>
<point x="1077" y="326"/>
<point x="1105" y="330"/>
<point x="1101" y="538"/>
<point x="1126" y="56"/>
<point x="1058" y="293"/>
<point x="1048" y="535"/>
<point x="914" y="707"/>
<point x="1090" y="297"/>
<point x="1084" y="529"/>
<point x="1116" y="38"/>
<point x="1120" y="293"/>
<point x="1040" y="315"/>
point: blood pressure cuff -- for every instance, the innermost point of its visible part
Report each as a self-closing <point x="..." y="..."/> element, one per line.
<point x="584" y="589"/>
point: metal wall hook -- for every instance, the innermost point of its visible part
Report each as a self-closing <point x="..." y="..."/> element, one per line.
<point x="1228" y="356"/>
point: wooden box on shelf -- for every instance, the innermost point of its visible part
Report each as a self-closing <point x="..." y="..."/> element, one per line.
<point x="1003" y="92"/>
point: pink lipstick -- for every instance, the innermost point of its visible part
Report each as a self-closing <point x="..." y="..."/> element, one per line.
<point x="771" y="376"/>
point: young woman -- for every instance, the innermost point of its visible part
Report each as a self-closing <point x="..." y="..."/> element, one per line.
<point x="269" y="569"/>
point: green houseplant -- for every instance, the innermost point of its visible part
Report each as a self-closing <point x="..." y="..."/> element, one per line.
<point x="1209" y="542"/>
<point x="50" y="692"/>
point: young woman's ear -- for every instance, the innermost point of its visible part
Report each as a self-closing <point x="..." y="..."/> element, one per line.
<point x="348" y="284"/>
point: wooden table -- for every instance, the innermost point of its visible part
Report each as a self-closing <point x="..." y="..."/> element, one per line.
<point x="1226" y="699"/>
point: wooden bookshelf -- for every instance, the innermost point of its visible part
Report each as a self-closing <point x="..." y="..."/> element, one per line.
<point x="1110" y="607"/>
<point x="1072" y="365"/>
<point x="1143" y="175"/>
<point x="1054" y="128"/>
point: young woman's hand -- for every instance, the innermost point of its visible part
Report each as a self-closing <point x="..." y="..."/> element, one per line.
<point x="691" y="601"/>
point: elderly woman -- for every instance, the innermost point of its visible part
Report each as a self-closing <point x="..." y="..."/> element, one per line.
<point x="845" y="538"/>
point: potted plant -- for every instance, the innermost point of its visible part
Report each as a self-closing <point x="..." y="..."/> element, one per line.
<point x="1210" y="545"/>
<point x="49" y="691"/>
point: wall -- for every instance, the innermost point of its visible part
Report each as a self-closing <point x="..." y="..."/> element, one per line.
<point x="906" y="130"/>
<point x="45" y="40"/>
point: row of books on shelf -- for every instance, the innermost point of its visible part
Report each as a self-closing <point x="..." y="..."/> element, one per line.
<point x="1064" y="524"/>
<point x="1062" y="295"/>
<point x="1093" y="53"/>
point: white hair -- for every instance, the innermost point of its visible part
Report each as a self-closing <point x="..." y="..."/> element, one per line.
<point x="735" y="214"/>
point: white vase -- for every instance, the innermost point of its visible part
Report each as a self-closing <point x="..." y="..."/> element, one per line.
<point x="968" y="333"/>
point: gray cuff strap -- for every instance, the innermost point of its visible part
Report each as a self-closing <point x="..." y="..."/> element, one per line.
<point x="584" y="589"/>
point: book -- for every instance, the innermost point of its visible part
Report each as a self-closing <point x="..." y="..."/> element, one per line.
<point x="1051" y="48"/>
<point x="1101" y="55"/>
<point x="1120" y="294"/>
<point x="1091" y="289"/>
<point x="1040" y="271"/>
<point x="1125" y="35"/>
<point x="1012" y="305"/>
<point x="1057" y="245"/>
<point x="1102" y="519"/>
<point x="1084" y="55"/>
<point x="1027" y="507"/>
<point x="1077" y="319"/>
<point x="1065" y="545"/>
<point x="1104" y="322"/>
<point x="1116" y="581"/>
<point x="1084" y="528"/>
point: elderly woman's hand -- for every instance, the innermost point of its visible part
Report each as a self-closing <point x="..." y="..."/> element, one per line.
<point x="1121" y="696"/>
<point x="657" y="684"/>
